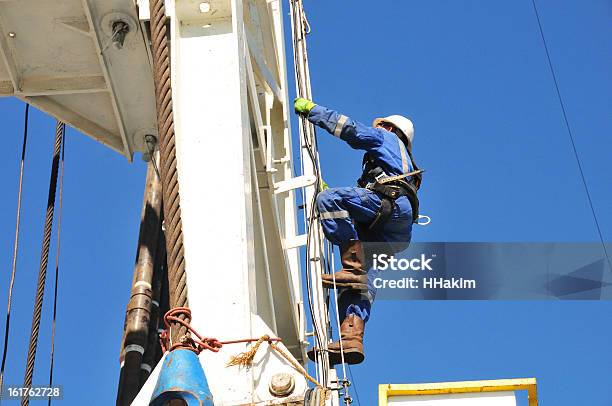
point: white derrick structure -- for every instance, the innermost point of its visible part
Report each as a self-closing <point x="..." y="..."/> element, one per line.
<point x="234" y="157"/>
<point x="234" y="153"/>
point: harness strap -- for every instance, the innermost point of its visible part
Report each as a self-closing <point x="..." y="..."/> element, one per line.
<point x="394" y="192"/>
<point x="402" y="149"/>
<point x="418" y="178"/>
<point x="387" y="204"/>
<point x="383" y="214"/>
<point x="389" y="179"/>
<point x="390" y="188"/>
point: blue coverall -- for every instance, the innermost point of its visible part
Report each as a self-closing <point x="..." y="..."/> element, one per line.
<point x="347" y="211"/>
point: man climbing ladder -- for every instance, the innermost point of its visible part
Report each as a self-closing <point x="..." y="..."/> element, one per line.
<point x="381" y="209"/>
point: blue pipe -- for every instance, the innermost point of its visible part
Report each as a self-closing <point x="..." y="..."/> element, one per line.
<point x="182" y="377"/>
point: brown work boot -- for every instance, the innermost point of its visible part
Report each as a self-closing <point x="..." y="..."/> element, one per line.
<point x="351" y="334"/>
<point x="352" y="275"/>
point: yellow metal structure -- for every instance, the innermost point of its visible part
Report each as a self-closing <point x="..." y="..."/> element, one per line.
<point x="385" y="391"/>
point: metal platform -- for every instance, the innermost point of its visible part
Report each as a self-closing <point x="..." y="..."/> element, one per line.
<point x="59" y="57"/>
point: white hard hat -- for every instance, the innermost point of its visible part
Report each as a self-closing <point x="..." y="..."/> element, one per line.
<point x="399" y="122"/>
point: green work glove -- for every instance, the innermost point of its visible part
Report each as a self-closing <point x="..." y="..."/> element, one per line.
<point x="303" y="106"/>
<point x="323" y="185"/>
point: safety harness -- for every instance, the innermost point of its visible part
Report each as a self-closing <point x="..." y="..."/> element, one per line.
<point x="390" y="188"/>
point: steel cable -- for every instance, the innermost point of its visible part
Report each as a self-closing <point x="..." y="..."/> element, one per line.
<point x="571" y="135"/>
<point x="168" y="168"/>
<point x="303" y="90"/>
<point x="7" y="326"/>
<point x="57" y="259"/>
<point x="355" y="385"/>
<point x="44" y="260"/>
<point x="301" y="27"/>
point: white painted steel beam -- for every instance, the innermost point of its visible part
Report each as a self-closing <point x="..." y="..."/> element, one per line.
<point x="79" y="122"/>
<point x="76" y="24"/>
<point x="33" y="86"/>
<point x="213" y="163"/>
<point x="113" y="90"/>
<point x="8" y="56"/>
<point x="256" y="110"/>
<point x="296" y="241"/>
<point x="261" y="238"/>
<point x="280" y="215"/>
<point x="294" y="183"/>
<point x="263" y="71"/>
<point x="281" y="208"/>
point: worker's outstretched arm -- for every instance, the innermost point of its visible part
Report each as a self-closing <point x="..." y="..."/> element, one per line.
<point x="357" y="135"/>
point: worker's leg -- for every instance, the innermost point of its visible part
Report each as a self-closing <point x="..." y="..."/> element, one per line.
<point x="340" y="209"/>
<point x="397" y="232"/>
<point x="358" y="303"/>
<point x="337" y="209"/>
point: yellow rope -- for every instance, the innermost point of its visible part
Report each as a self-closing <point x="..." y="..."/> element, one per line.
<point x="245" y="359"/>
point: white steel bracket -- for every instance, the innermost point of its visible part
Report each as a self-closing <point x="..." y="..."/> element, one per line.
<point x="294" y="183"/>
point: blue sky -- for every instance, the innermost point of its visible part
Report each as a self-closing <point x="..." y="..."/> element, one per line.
<point x="473" y="77"/>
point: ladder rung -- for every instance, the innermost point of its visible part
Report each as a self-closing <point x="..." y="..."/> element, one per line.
<point x="296" y="241"/>
<point x="294" y="183"/>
